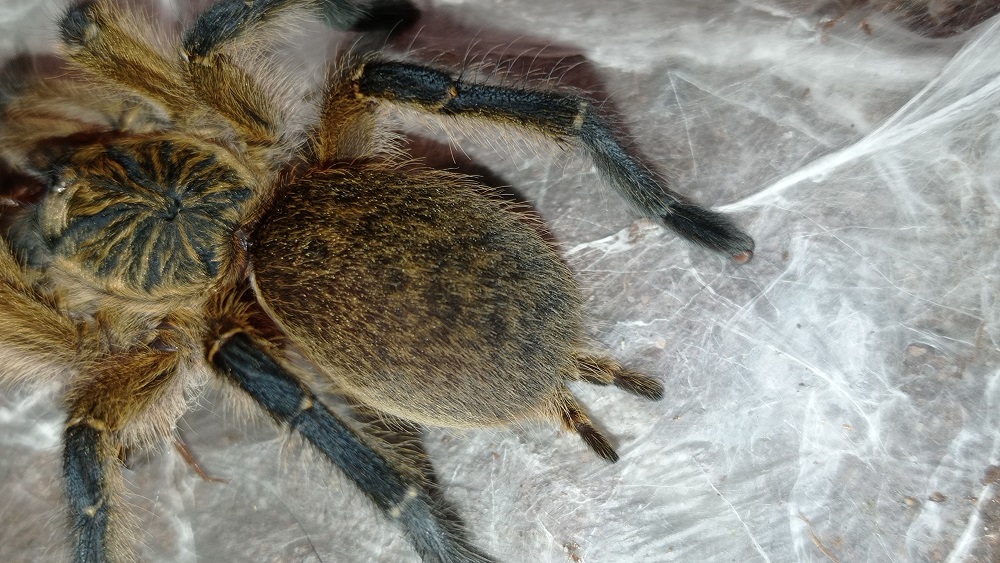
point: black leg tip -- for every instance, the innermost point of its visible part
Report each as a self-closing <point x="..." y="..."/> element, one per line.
<point x="710" y="229"/>
<point x="596" y="441"/>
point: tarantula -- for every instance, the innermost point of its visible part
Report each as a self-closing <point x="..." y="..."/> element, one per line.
<point x="180" y="233"/>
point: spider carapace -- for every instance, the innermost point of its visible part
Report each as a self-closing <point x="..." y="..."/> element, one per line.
<point x="182" y="234"/>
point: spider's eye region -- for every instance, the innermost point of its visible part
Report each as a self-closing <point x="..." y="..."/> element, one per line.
<point x="147" y="215"/>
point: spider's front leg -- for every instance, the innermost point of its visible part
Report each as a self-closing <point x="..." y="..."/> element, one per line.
<point x="101" y="38"/>
<point x="120" y="399"/>
<point x="108" y="42"/>
<point x="562" y="117"/>
<point x="244" y="361"/>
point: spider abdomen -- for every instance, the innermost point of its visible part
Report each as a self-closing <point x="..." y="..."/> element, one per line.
<point x="420" y="295"/>
<point x="149" y="216"/>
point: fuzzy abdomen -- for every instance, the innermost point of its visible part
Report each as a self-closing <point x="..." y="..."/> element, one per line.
<point x="420" y="295"/>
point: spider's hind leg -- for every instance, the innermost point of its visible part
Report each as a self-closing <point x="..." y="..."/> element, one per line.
<point x="39" y="343"/>
<point x="245" y="362"/>
<point x="563" y="117"/>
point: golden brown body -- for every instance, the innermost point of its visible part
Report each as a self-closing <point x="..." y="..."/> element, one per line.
<point x="179" y="234"/>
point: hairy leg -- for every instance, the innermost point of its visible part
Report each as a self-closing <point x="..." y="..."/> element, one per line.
<point x="230" y="21"/>
<point x="106" y="41"/>
<point x="229" y="24"/>
<point x="103" y="403"/>
<point x="244" y="362"/>
<point x="562" y="117"/>
<point x="102" y="39"/>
